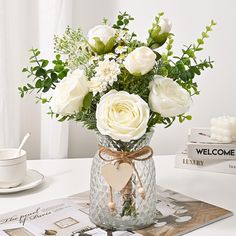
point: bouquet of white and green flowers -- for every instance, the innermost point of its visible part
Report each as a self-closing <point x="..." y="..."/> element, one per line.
<point x="121" y="88"/>
<point x="116" y="84"/>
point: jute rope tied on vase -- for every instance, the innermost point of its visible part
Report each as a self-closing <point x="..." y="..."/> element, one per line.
<point x="119" y="157"/>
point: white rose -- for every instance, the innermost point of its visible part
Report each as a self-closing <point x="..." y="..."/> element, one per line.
<point x="140" y="61"/>
<point x="104" y="33"/>
<point x="167" y="97"/>
<point x="69" y="94"/>
<point x="122" y="116"/>
<point x="165" y="25"/>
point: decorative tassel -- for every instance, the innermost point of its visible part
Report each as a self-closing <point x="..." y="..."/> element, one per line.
<point x="111" y="204"/>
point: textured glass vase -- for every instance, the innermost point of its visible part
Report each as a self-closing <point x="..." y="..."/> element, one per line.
<point x="132" y="212"/>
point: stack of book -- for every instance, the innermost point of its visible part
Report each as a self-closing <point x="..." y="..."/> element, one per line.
<point x="203" y="153"/>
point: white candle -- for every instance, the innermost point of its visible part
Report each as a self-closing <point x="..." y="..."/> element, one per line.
<point x="233" y="123"/>
<point x="223" y="129"/>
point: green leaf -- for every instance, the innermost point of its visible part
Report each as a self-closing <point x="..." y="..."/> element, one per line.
<point x="198" y="49"/>
<point x="45" y="89"/>
<point x="40" y="72"/>
<point x="25" y="88"/>
<point x="158" y="55"/>
<point x="53" y="76"/>
<point x="196" y="70"/>
<point x="119" y="22"/>
<point x="44" y="63"/>
<point x="44" y="100"/>
<point x="186" y="61"/>
<point x="47" y="83"/>
<point x="36" y="53"/>
<point x="35" y="68"/>
<point x="200" y="41"/>
<point x="188" y="117"/>
<point x="30" y="86"/>
<point x="181" y="119"/>
<point x="58" y="68"/>
<point x="126" y="21"/>
<point x="58" y="56"/>
<point x="24" y="70"/>
<point x="62" y="74"/>
<point x="180" y="66"/>
<point x="205" y="35"/>
<point x="63" y="119"/>
<point x="39" y="83"/>
<point x="87" y="100"/>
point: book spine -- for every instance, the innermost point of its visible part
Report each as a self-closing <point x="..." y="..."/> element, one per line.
<point x="221" y="166"/>
<point x="211" y="151"/>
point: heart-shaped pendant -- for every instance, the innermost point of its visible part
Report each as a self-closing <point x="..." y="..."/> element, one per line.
<point x="117" y="176"/>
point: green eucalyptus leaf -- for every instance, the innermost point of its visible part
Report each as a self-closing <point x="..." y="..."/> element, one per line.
<point x="120" y="22"/>
<point x="53" y="76"/>
<point x="200" y="41"/>
<point x="40" y="72"/>
<point x="58" y="68"/>
<point x="158" y="55"/>
<point x="45" y="63"/>
<point x="188" y="117"/>
<point x="47" y="82"/>
<point x="39" y="83"/>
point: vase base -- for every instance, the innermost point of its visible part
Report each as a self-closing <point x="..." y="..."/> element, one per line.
<point x="121" y="227"/>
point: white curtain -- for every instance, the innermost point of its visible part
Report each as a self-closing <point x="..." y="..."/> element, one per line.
<point x="54" y="16"/>
<point x="33" y="23"/>
<point x="25" y="24"/>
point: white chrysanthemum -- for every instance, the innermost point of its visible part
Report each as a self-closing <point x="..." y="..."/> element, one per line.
<point x="121" y="49"/>
<point x="97" y="85"/>
<point x="109" y="56"/>
<point x="108" y="71"/>
<point x="123" y="35"/>
<point x="93" y="60"/>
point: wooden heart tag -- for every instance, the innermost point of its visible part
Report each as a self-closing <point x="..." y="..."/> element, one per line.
<point x="117" y="178"/>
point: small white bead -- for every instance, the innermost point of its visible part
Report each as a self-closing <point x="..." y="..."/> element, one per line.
<point x="141" y="191"/>
<point x="112" y="205"/>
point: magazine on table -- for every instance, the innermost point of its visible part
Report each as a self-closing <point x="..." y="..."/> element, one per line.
<point x="177" y="214"/>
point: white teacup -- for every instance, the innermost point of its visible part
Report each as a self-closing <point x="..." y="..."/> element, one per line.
<point x="12" y="167"/>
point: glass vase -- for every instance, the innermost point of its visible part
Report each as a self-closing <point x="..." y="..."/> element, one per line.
<point x="134" y="209"/>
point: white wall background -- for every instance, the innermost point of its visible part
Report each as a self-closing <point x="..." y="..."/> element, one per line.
<point x="189" y="17"/>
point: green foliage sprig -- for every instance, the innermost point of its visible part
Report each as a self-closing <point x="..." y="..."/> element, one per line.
<point x="123" y="21"/>
<point x="183" y="69"/>
<point x="44" y="79"/>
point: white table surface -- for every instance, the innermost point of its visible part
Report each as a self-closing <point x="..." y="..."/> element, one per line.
<point x="69" y="176"/>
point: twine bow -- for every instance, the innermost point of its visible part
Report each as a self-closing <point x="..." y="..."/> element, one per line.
<point x="119" y="157"/>
<point x="128" y="157"/>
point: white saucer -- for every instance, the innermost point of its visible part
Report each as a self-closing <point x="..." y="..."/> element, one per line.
<point x="32" y="179"/>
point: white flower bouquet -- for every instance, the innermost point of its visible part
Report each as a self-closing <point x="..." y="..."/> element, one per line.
<point x="116" y="84"/>
<point x="121" y="88"/>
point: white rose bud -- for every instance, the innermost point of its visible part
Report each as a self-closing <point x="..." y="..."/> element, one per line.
<point x="140" y="61"/>
<point x="69" y="94"/>
<point x="102" y="38"/>
<point x="122" y="116"/>
<point x="167" y="97"/>
<point x="165" y="25"/>
<point x="159" y="33"/>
